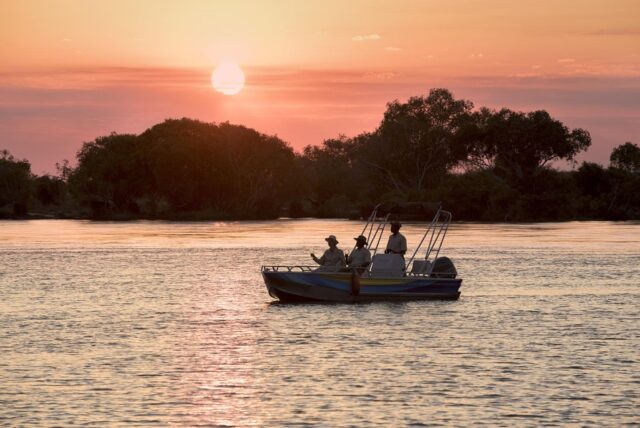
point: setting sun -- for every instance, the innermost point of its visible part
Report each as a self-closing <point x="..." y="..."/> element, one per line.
<point x="227" y="78"/>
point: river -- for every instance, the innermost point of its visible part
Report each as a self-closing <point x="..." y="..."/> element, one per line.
<point x="160" y="323"/>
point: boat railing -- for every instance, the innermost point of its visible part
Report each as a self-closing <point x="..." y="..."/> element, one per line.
<point x="293" y="268"/>
<point x="434" y="236"/>
<point x="347" y="271"/>
<point x="374" y="230"/>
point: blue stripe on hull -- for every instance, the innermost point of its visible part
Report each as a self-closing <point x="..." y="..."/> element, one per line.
<point x="337" y="287"/>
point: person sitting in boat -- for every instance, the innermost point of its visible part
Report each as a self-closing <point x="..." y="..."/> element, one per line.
<point x="359" y="258"/>
<point x="332" y="259"/>
<point x="397" y="242"/>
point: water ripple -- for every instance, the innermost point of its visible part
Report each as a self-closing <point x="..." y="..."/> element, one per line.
<point x="151" y="323"/>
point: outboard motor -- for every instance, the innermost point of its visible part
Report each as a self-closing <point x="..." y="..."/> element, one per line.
<point x="443" y="267"/>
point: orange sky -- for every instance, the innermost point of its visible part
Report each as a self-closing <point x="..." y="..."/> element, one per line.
<point x="74" y="70"/>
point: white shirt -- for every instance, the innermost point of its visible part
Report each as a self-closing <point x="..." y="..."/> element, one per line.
<point x="332" y="257"/>
<point x="360" y="257"/>
<point x="397" y="243"/>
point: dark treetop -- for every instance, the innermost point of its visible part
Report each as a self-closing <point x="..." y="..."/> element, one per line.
<point x="487" y="165"/>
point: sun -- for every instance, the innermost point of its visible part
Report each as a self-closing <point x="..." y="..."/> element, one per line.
<point x="227" y="78"/>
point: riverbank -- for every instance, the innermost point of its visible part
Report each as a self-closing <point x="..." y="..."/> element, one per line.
<point x="204" y="217"/>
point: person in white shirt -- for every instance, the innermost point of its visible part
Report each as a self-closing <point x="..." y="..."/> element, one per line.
<point x="333" y="258"/>
<point x="397" y="242"/>
<point x="359" y="258"/>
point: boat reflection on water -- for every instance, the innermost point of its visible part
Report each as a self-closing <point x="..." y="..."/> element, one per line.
<point x="388" y="277"/>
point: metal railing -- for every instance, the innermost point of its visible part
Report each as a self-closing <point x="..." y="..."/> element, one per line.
<point x="374" y="236"/>
<point x="374" y="229"/>
<point x="284" y="268"/>
<point x="436" y="233"/>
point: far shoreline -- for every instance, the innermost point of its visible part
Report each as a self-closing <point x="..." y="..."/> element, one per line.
<point x="120" y="219"/>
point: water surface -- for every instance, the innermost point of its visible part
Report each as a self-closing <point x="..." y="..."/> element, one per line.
<point x="154" y="323"/>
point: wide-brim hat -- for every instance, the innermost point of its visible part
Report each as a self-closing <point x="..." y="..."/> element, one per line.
<point x="331" y="238"/>
<point x="361" y="238"/>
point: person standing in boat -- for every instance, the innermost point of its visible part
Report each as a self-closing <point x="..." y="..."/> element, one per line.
<point x="333" y="259"/>
<point x="397" y="242"/>
<point x="359" y="258"/>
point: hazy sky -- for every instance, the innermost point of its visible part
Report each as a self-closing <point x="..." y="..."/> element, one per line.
<point x="73" y="70"/>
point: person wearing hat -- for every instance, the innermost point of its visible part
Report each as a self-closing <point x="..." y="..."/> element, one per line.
<point x="332" y="259"/>
<point x="359" y="258"/>
<point x="397" y="242"/>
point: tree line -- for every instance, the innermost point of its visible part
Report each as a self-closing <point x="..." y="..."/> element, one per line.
<point x="482" y="164"/>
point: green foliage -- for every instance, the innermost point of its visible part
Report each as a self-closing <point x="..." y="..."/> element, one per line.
<point x="483" y="164"/>
<point x="477" y="195"/>
<point x="184" y="169"/>
<point x="551" y="196"/>
<point x="626" y="157"/>
<point x="16" y="185"/>
<point x="329" y="172"/>
<point x="608" y="193"/>
<point x="517" y="144"/>
<point x="109" y="175"/>
<point x="411" y="149"/>
<point x="49" y="190"/>
<point x="421" y="147"/>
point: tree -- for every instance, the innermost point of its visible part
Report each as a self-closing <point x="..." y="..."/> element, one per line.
<point x="626" y="157"/>
<point x="477" y="195"/>
<point x="184" y="169"/>
<point x="517" y="144"/>
<point x="328" y="168"/>
<point x="109" y="175"/>
<point x="15" y="183"/>
<point x="411" y="148"/>
<point x="49" y="190"/>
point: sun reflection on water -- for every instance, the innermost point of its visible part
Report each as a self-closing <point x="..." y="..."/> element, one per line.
<point x="154" y="323"/>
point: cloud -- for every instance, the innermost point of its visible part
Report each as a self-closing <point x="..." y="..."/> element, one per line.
<point x="566" y="60"/>
<point x="392" y="49"/>
<point x="476" y="56"/>
<point x="45" y="115"/>
<point x="93" y="77"/>
<point x="525" y="75"/>
<point x="388" y="75"/>
<point x="366" y="37"/>
<point x="614" y="32"/>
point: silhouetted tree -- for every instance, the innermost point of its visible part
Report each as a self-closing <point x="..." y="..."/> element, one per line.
<point x="411" y="149"/>
<point x="109" y="175"/>
<point x="478" y="195"/>
<point x="624" y="176"/>
<point x="49" y="190"/>
<point x="487" y="165"/>
<point x="180" y="168"/>
<point x="626" y="157"/>
<point x="15" y="184"/>
<point x="518" y="144"/>
<point x="330" y="180"/>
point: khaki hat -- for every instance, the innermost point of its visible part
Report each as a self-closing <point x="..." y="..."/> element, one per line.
<point x="361" y="238"/>
<point x="331" y="238"/>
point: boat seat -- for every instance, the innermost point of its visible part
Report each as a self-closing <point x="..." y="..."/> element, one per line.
<point x="387" y="266"/>
<point x="420" y="267"/>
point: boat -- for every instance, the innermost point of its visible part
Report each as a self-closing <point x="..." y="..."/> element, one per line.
<point x="387" y="278"/>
